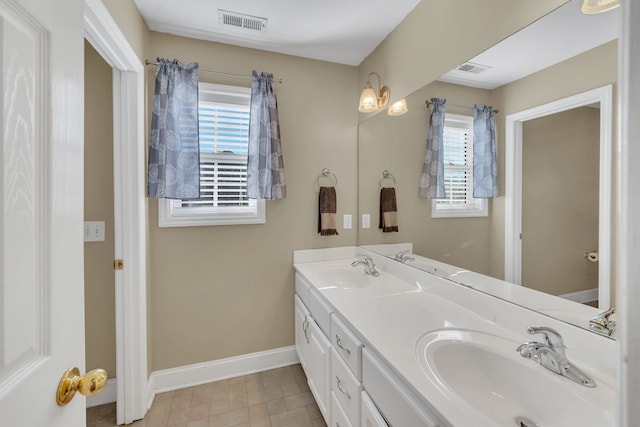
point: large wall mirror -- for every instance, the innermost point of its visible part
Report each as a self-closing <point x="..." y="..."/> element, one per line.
<point x="553" y="84"/>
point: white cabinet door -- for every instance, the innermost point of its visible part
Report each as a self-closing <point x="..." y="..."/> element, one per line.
<point x="41" y="257"/>
<point x="319" y="368"/>
<point x="302" y="319"/>
<point x="371" y="417"/>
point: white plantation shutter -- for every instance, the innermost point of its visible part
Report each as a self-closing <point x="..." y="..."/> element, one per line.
<point x="224" y="137"/>
<point x="458" y="171"/>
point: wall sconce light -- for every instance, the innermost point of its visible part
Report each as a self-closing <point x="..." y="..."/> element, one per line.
<point x="398" y="108"/>
<point x="590" y="7"/>
<point x="371" y="101"/>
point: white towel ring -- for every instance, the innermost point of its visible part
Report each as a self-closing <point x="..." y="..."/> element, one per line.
<point x="387" y="175"/>
<point x="326" y="173"/>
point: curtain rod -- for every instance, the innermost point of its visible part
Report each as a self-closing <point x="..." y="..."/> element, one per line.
<point x="429" y="104"/>
<point x="240" y="76"/>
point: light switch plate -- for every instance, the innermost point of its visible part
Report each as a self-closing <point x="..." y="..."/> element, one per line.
<point x="366" y="221"/>
<point x="346" y="222"/>
<point x="94" y="231"/>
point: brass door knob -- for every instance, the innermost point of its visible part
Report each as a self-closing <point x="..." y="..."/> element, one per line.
<point x="88" y="385"/>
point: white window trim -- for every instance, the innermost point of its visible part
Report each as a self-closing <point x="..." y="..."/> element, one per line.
<point x="459" y="211"/>
<point x="169" y="216"/>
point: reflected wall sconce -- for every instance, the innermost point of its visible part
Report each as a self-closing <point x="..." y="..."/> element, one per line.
<point x="590" y="7"/>
<point x="398" y="108"/>
<point x="370" y="100"/>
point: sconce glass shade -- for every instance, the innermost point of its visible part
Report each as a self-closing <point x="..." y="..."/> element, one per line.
<point x="368" y="100"/>
<point x="398" y="108"/>
<point x="591" y="7"/>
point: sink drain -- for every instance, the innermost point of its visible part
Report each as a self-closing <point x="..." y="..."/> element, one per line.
<point x="526" y="422"/>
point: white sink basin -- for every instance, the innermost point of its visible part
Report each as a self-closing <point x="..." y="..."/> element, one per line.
<point x="347" y="277"/>
<point x="485" y="374"/>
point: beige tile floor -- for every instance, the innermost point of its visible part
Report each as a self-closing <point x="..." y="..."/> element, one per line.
<point x="275" y="398"/>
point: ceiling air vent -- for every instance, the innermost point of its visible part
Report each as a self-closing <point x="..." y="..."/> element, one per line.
<point x="239" y="20"/>
<point x="470" y="67"/>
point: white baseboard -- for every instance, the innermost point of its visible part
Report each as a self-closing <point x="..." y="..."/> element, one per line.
<point x="201" y="373"/>
<point x="107" y="395"/>
<point x="582" y="296"/>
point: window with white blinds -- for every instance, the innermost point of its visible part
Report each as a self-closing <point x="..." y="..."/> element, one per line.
<point x="458" y="171"/>
<point x="224" y="137"/>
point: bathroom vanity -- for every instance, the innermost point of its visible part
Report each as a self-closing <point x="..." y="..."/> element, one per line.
<point x="410" y="348"/>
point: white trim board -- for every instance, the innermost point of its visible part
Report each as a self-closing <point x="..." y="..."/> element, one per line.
<point x="216" y="370"/>
<point x="202" y="373"/>
<point x="129" y="209"/>
<point x="628" y="212"/>
<point x="513" y="183"/>
<point x="107" y="395"/>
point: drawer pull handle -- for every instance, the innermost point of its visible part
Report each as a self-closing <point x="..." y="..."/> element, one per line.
<point x="341" y="388"/>
<point x="339" y="344"/>
<point x="305" y="327"/>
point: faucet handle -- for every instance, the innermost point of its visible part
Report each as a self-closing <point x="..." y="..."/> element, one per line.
<point x="551" y="337"/>
<point x="601" y="323"/>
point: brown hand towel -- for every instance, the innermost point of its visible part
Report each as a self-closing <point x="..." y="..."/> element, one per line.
<point x="327" y="211"/>
<point x="388" y="210"/>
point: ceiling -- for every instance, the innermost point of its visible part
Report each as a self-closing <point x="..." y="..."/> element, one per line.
<point x="560" y="35"/>
<point x="341" y="31"/>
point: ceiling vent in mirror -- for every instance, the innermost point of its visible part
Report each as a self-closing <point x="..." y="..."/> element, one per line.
<point x="470" y="67"/>
<point x="239" y="20"/>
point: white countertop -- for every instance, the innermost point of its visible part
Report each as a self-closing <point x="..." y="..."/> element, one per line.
<point x="392" y="312"/>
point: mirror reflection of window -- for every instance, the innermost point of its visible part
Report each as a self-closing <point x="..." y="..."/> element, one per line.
<point x="458" y="171"/>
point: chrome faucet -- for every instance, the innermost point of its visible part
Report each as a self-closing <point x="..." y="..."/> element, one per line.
<point x="551" y="355"/>
<point x="369" y="265"/>
<point x="403" y="256"/>
<point x="601" y="323"/>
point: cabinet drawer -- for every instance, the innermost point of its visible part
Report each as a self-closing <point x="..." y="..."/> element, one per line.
<point x="371" y="417"/>
<point x="320" y="310"/>
<point x="346" y="388"/>
<point x="347" y="345"/>
<point x="338" y="417"/>
<point x="302" y="288"/>
<point x="398" y="404"/>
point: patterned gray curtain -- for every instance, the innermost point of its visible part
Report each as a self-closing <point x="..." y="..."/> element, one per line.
<point x="265" y="168"/>
<point x="174" y="151"/>
<point x="485" y="166"/>
<point x="432" y="178"/>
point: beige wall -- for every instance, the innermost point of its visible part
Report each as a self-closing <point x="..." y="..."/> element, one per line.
<point x="228" y="290"/>
<point x="99" y="276"/>
<point x="560" y="193"/>
<point x="215" y="292"/>
<point x="439" y="35"/>
<point x="130" y="22"/>
<point x="593" y="69"/>
<point x="398" y="145"/>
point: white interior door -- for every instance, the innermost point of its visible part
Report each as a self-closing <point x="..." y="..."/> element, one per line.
<point x="41" y="257"/>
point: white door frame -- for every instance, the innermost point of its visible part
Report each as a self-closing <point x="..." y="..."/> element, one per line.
<point x="513" y="184"/>
<point x="629" y="211"/>
<point x="105" y="36"/>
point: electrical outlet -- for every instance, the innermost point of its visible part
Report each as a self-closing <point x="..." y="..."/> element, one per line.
<point x="346" y="222"/>
<point x="94" y="231"/>
<point x="366" y="221"/>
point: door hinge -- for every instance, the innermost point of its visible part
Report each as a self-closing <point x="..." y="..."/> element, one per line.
<point x="118" y="264"/>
